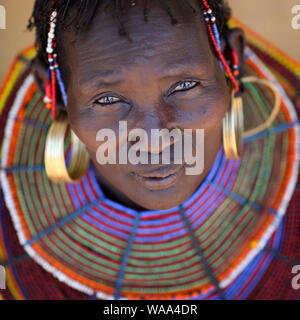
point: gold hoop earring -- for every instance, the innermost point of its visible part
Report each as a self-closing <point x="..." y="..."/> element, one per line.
<point x="233" y="123"/>
<point x="55" y="163"/>
<point x="233" y="126"/>
<point x="275" y="110"/>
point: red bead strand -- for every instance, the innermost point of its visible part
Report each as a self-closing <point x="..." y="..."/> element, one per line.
<point x="221" y="57"/>
<point x="218" y="51"/>
<point x="53" y="93"/>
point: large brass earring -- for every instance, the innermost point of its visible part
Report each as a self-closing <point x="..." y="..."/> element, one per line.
<point x="55" y="163"/>
<point x="233" y="123"/>
<point x="233" y="127"/>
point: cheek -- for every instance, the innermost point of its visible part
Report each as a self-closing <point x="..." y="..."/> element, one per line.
<point x="86" y="122"/>
<point x="81" y="124"/>
<point x="209" y="110"/>
<point x="216" y="107"/>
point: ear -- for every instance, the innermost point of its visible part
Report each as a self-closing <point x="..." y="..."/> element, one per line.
<point x="40" y="74"/>
<point x="235" y="38"/>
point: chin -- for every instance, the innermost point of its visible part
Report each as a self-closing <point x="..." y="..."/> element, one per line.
<point x="163" y="201"/>
<point x="164" y="198"/>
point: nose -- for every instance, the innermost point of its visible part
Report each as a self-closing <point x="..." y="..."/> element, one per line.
<point x="153" y="133"/>
<point x="156" y="142"/>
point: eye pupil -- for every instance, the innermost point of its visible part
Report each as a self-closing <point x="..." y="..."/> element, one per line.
<point x="186" y="85"/>
<point x="108" y="100"/>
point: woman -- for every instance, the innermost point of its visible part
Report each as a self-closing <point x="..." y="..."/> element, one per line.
<point x="148" y="231"/>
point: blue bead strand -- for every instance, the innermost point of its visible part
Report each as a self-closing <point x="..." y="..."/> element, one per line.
<point x="61" y="86"/>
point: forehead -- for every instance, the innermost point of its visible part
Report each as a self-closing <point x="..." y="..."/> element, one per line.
<point x="156" y="43"/>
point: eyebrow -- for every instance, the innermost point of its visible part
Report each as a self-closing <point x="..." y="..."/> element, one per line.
<point x="104" y="78"/>
<point x="180" y="67"/>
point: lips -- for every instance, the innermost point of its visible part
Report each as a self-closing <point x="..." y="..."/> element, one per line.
<point x="160" y="178"/>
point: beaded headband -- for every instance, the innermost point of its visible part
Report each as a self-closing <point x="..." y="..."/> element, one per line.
<point x="54" y="75"/>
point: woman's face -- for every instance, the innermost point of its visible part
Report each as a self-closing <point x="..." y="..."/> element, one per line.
<point x="143" y="82"/>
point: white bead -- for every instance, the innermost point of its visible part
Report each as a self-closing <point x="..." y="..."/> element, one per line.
<point x="47" y="100"/>
<point x="54" y="14"/>
<point x="49" y="50"/>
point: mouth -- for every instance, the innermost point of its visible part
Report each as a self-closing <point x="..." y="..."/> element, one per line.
<point x="160" y="178"/>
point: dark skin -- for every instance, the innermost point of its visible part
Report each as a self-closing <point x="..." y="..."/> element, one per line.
<point x="146" y="73"/>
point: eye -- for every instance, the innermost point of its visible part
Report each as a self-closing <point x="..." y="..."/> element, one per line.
<point x="107" y="100"/>
<point x="186" y="85"/>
